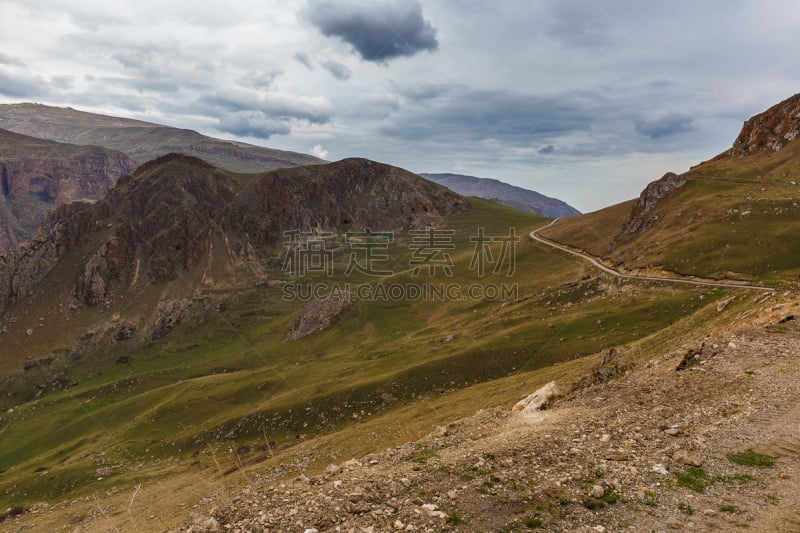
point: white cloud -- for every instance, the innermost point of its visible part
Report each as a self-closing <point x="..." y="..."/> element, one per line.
<point x="319" y="151"/>
<point x="620" y="89"/>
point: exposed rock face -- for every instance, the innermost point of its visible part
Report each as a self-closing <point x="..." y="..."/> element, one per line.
<point x="650" y="196"/>
<point x="316" y="316"/>
<point x="538" y="400"/>
<point x="37" y="176"/>
<point x="770" y="130"/>
<point x="164" y="219"/>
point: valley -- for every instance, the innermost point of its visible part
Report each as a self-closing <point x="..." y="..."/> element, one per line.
<point x="205" y="335"/>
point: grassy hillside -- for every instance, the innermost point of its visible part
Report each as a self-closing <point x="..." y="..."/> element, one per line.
<point x="593" y="232"/>
<point x="736" y="217"/>
<point x="230" y="380"/>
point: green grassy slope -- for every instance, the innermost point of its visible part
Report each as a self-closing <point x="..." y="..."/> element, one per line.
<point x="735" y="218"/>
<point x="231" y="379"/>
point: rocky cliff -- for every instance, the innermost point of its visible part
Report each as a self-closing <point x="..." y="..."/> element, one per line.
<point x="37" y="176"/>
<point x="650" y="196"/>
<point x="164" y="220"/>
<point x="770" y="130"/>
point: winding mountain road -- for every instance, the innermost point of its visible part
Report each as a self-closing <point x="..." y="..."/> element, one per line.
<point x="595" y="262"/>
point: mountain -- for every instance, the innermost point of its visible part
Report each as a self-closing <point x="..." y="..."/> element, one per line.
<point x="510" y="195"/>
<point x="179" y="221"/>
<point x="142" y="141"/>
<point x="153" y="337"/>
<point x="38" y="175"/>
<point x="735" y="216"/>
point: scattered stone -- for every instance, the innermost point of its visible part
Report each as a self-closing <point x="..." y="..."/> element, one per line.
<point x="537" y="401"/>
<point x="317" y="315"/>
<point x="660" y="469"/>
<point x="596" y="491"/>
<point x="685" y="458"/>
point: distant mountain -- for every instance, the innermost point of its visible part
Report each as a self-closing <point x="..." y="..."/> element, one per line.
<point x="38" y="175"/>
<point x="510" y="195"/>
<point x="142" y="141"/>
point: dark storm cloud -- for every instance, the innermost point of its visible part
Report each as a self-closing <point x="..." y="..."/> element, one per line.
<point x="464" y="114"/>
<point x="337" y="70"/>
<point x="665" y="126"/>
<point x="549" y="149"/>
<point x="377" y="30"/>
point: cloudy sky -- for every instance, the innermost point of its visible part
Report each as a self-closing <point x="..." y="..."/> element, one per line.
<point x="585" y="100"/>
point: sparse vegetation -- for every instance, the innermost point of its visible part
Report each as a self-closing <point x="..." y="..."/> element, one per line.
<point x="533" y="523"/>
<point x="694" y="478"/>
<point x="456" y="519"/>
<point x="751" y="458"/>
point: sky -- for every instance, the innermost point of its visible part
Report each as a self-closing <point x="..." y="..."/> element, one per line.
<point x="583" y="100"/>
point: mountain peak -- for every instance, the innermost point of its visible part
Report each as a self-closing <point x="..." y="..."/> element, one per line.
<point x="769" y="131"/>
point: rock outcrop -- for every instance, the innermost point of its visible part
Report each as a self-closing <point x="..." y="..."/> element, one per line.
<point x="769" y="131"/>
<point x="650" y="196"/>
<point x="38" y="176"/>
<point x="317" y="315"/>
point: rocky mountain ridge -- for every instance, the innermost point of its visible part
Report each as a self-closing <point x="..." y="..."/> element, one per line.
<point x="166" y="219"/>
<point x="770" y="130"/>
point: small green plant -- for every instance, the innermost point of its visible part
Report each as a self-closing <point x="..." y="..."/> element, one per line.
<point x="456" y="519"/>
<point x="532" y="523"/>
<point x="563" y="502"/>
<point x="736" y="478"/>
<point x="727" y="508"/>
<point x="750" y="372"/>
<point x="751" y="458"/>
<point x="685" y="508"/>
<point x="650" y="498"/>
<point x="610" y="497"/>
<point x="694" y="478"/>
